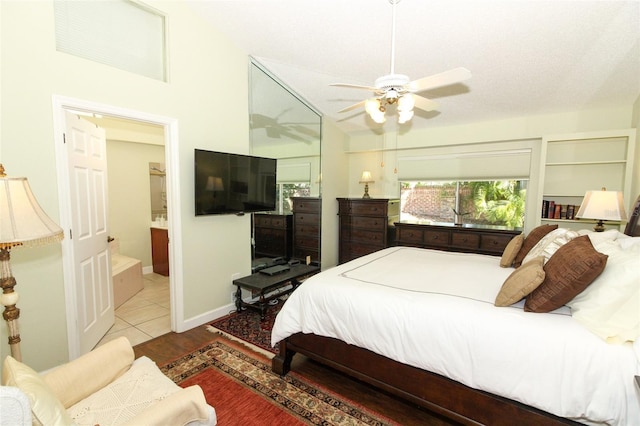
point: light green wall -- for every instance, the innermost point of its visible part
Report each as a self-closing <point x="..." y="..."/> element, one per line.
<point x="206" y="93"/>
<point x="334" y="184"/>
<point x="129" y="196"/>
<point x="635" y="123"/>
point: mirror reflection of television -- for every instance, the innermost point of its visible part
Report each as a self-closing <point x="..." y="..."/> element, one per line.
<point x="228" y="183"/>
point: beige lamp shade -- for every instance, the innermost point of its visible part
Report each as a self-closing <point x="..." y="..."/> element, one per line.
<point x="22" y="220"/>
<point x="366" y="177"/>
<point x="602" y="205"/>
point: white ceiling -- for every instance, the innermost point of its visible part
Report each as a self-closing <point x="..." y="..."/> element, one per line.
<point x="526" y="56"/>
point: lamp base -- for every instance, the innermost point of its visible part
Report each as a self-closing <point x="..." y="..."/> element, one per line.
<point x="366" y="191"/>
<point x="599" y="226"/>
<point x="9" y="298"/>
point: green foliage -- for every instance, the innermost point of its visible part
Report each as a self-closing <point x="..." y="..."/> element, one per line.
<point x="499" y="201"/>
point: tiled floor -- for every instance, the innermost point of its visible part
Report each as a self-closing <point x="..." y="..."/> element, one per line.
<point x="146" y="315"/>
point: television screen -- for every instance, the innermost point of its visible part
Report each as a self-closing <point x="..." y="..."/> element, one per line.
<point x="233" y="183"/>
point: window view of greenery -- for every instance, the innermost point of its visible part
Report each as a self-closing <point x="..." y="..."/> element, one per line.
<point x="288" y="190"/>
<point x="499" y="202"/>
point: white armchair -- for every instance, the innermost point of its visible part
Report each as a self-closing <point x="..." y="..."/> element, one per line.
<point x="107" y="387"/>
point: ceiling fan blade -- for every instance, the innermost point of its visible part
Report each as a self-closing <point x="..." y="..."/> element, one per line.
<point x="355" y="86"/>
<point x="354" y="106"/>
<point x="455" y="75"/>
<point x="424" y="103"/>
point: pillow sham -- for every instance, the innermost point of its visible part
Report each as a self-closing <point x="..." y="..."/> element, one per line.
<point x="609" y="307"/>
<point x="521" y="282"/>
<point x="511" y="250"/>
<point x="531" y="240"/>
<point x="567" y="273"/>
<point x="550" y="243"/>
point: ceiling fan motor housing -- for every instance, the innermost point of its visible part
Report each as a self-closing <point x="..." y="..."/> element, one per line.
<point x="392" y="81"/>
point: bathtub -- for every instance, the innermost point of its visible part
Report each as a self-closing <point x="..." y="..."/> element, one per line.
<point x="127" y="277"/>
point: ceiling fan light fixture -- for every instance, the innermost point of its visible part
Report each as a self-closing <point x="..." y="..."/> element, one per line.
<point x="372" y="106"/>
<point x="406" y="102"/>
<point x="404" y="116"/>
<point x="378" y="116"/>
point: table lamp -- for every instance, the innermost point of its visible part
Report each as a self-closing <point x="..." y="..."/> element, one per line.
<point x="366" y="179"/>
<point x="602" y="205"/>
<point x="23" y="223"/>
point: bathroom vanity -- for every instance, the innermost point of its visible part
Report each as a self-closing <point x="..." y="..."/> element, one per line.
<point x="160" y="250"/>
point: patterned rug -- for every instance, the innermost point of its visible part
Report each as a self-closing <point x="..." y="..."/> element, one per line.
<point x="237" y="382"/>
<point x="247" y="326"/>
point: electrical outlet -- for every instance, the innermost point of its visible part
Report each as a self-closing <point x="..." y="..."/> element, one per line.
<point x="233" y="297"/>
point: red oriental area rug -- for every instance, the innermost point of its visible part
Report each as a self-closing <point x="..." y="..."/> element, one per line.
<point x="248" y="326"/>
<point x="240" y="385"/>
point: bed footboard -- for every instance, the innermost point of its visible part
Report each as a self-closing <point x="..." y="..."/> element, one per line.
<point x="432" y="391"/>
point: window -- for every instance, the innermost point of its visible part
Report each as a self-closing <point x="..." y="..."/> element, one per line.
<point x="120" y="33"/>
<point x="490" y="202"/>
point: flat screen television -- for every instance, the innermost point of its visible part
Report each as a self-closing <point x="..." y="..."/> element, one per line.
<point x="228" y="183"/>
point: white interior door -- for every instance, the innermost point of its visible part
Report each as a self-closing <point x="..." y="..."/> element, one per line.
<point x="87" y="161"/>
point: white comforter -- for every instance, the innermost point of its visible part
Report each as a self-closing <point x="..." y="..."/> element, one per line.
<point x="434" y="310"/>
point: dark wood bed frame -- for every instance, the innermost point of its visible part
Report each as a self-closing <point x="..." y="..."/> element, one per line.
<point x="429" y="390"/>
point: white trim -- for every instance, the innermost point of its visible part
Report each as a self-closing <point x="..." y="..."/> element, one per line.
<point x="62" y="103"/>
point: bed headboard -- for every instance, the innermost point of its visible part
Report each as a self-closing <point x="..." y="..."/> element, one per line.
<point x="633" y="225"/>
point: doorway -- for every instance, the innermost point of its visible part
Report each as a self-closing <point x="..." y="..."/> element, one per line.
<point x="63" y="104"/>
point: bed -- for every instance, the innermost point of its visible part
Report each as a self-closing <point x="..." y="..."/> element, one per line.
<point x="441" y="343"/>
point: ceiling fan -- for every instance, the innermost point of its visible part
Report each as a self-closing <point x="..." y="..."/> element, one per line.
<point x="398" y="89"/>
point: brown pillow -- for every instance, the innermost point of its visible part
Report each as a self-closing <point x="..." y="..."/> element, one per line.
<point x="511" y="250"/>
<point x="521" y="282"/>
<point x="532" y="239"/>
<point x="567" y="273"/>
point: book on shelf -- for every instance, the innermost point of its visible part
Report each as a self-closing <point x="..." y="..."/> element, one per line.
<point x="551" y="210"/>
<point x="545" y="208"/>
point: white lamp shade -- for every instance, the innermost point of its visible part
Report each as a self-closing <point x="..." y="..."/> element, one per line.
<point x="602" y="205"/>
<point x="366" y="177"/>
<point x="22" y="220"/>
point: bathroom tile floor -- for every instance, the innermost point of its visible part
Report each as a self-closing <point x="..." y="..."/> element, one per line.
<point x="146" y="315"/>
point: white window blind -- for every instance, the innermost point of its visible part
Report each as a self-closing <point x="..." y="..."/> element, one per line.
<point x="119" y="33"/>
<point x="466" y="166"/>
<point x="293" y="173"/>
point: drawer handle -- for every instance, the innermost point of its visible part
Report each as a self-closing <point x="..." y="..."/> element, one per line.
<point x="435" y="237"/>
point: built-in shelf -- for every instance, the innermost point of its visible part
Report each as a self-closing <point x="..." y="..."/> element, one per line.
<point x="576" y="163"/>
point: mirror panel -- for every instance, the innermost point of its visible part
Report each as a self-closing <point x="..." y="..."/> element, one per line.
<point x="284" y="126"/>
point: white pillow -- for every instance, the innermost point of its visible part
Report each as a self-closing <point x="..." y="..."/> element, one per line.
<point x="610" y="306"/>
<point x="550" y="243"/>
<point x="627" y="243"/>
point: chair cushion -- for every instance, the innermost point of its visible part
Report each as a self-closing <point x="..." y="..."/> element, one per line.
<point x="120" y="401"/>
<point x="103" y="365"/>
<point x="45" y="407"/>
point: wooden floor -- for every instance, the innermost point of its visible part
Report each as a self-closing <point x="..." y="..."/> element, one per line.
<point x="170" y="346"/>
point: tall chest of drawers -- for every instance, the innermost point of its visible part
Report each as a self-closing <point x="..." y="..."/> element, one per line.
<point x="366" y="225"/>
<point x="306" y="227"/>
